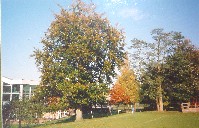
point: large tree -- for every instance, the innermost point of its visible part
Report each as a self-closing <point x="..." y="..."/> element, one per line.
<point x="182" y="73"/>
<point x="152" y="57"/>
<point x="80" y="52"/>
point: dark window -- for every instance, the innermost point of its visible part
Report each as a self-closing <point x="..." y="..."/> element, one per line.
<point x="7" y="89"/>
<point x="26" y="88"/>
<point x="6" y="97"/>
<point x="26" y="96"/>
<point x="16" y="88"/>
<point x="15" y="96"/>
<point x="33" y="88"/>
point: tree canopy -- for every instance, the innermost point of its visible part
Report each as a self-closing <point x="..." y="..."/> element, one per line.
<point x="152" y="58"/>
<point x="126" y="88"/>
<point x="169" y="68"/>
<point x="181" y="73"/>
<point x="80" y="52"/>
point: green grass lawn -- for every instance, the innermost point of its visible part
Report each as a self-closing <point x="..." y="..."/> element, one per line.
<point x="136" y="120"/>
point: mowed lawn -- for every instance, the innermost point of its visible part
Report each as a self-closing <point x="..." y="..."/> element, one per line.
<point x="136" y="120"/>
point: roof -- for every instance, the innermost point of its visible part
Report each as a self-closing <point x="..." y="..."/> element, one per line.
<point x="19" y="81"/>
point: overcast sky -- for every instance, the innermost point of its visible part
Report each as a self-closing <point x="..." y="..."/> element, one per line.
<point x="25" y="21"/>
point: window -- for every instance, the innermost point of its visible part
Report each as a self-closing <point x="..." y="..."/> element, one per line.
<point x="25" y="96"/>
<point x="26" y="88"/>
<point x="6" y="97"/>
<point x="7" y="89"/>
<point x="16" y="88"/>
<point x="33" y="88"/>
<point x="15" y="96"/>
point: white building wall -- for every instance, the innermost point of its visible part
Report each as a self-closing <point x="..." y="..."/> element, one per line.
<point x="21" y="92"/>
<point x="21" y="82"/>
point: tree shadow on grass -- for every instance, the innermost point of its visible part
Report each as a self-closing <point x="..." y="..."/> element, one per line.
<point x="59" y="121"/>
<point x="66" y="120"/>
<point x="72" y="119"/>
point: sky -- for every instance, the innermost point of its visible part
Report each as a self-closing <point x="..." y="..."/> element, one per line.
<point x="24" y="22"/>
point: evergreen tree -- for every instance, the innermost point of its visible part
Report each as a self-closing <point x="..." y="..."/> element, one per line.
<point x="182" y="73"/>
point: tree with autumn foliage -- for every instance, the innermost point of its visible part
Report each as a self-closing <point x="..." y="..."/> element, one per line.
<point x="118" y="95"/>
<point x="126" y="89"/>
<point x="80" y="52"/>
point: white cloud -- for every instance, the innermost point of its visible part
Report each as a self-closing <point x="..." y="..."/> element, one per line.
<point x="133" y="13"/>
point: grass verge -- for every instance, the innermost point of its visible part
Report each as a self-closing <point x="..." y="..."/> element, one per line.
<point x="136" y="120"/>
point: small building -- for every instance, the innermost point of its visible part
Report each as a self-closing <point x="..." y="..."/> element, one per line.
<point x="17" y="89"/>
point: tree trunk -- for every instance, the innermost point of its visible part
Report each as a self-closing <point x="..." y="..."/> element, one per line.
<point x="19" y="123"/>
<point x="157" y="104"/>
<point x="135" y="107"/>
<point x="161" y="104"/>
<point x="79" y="114"/>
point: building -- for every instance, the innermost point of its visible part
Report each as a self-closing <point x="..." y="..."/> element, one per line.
<point x="17" y="89"/>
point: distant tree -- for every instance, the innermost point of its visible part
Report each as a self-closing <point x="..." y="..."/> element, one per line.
<point x="139" y="57"/>
<point x="182" y="73"/>
<point x="6" y="114"/>
<point x="150" y="81"/>
<point x="26" y="110"/>
<point x="118" y="95"/>
<point x="126" y="89"/>
<point x="80" y="53"/>
<point x="153" y="56"/>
